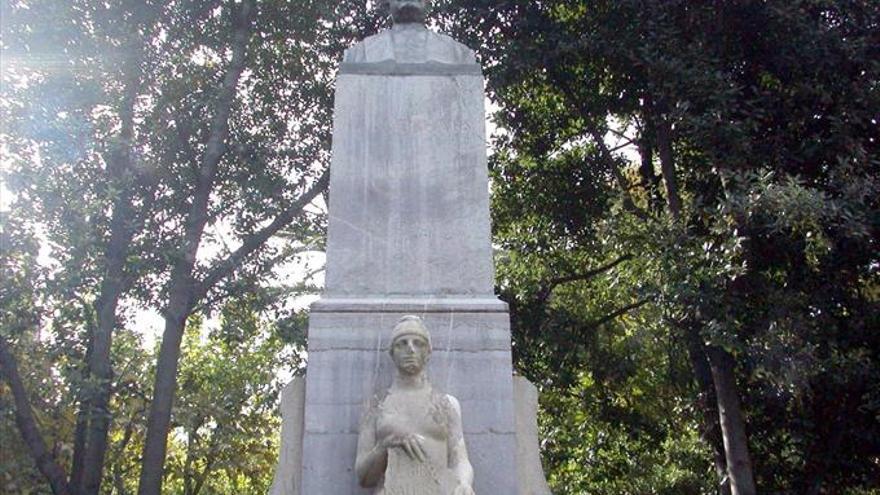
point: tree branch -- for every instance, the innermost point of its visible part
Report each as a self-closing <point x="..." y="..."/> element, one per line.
<point x="27" y="424"/>
<point x="180" y="294"/>
<point x="667" y="167"/>
<point x="619" y="134"/>
<point x="628" y="202"/>
<point x="607" y="154"/>
<point x="253" y="242"/>
<point x="551" y="284"/>
<point x="614" y="314"/>
<point x="622" y="145"/>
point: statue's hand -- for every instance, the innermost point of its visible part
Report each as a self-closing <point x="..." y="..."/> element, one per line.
<point x="411" y="443"/>
<point x="463" y="489"/>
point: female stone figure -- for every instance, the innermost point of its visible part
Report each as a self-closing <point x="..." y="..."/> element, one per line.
<point x="411" y="441"/>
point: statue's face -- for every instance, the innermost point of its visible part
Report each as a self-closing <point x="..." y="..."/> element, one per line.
<point x="406" y="11"/>
<point x="410" y="353"/>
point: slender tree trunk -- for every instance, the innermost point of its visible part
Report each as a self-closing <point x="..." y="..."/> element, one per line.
<point x="646" y="144"/>
<point x="733" y="428"/>
<point x="79" y="446"/>
<point x="27" y="424"/>
<point x="82" y="417"/>
<point x="100" y="365"/>
<point x="203" y="476"/>
<point x="667" y="166"/>
<point x="182" y="283"/>
<point x="113" y="286"/>
<point x="650" y="180"/>
<point x="707" y="403"/>
<point x="187" y="465"/>
<point x="118" y="479"/>
<point x="159" y="419"/>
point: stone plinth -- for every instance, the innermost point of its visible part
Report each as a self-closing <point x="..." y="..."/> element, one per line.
<point x="349" y="363"/>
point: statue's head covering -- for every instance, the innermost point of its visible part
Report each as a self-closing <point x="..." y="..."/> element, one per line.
<point x="410" y="325"/>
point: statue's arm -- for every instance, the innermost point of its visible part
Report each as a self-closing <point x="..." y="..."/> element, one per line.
<point x="458" y="456"/>
<point x="372" y="458"/>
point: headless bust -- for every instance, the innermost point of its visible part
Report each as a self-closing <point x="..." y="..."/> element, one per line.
<point x="411" y="441"/>
<point x="409" y="41"/>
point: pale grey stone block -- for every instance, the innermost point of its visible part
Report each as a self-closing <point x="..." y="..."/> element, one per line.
<point x="343" y="420"/>
<point x="453" y="330"/>
<point x="335" y="418"/>
<point x="410" y="304"/>
<point x="412" y="45"/>
<point x="342" y="376"/>
<point x="288" y="472"/>
<point x="494" y="459"/>
<point x="326" y="466"/>
<point x="528" y="450"/>
<point x="469" y="361"/>
<point x="487" y="416"/>
<point x="408" y="197"/>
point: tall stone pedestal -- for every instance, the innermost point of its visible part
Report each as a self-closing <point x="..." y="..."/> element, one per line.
<point x="409" y="233"/>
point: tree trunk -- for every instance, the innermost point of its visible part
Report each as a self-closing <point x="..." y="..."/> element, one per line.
<point x="113" y="285"/>
<point x="667" y="166"/>
<point x="159" y="419"/>
<point x="707" y="403"/>
<point x="646" y="144"/>
<point x="27" y="424"/>
<point x="79" y="446"/>
<point x="650" y="180"/>
<point x="100" y="364"/>
<point x="733" y="428"/>
<point x="82" y="420"/>
<point x="182" y="283"/>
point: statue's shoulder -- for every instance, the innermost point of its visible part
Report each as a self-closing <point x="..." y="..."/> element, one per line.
<point x="453" y="404"/>
<point x="369" y="47"/>
<point x="438" y="48"/>
<point x="444" y="49"/>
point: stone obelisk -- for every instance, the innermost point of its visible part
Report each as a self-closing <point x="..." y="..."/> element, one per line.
<point x="409" y="233"/>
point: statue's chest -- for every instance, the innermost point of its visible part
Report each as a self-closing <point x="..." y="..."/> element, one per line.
<point x="420" y="414"/>
<point x="410" y="46"/>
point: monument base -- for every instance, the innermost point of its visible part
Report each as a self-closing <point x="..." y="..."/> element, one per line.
<point x="349" y="365"/>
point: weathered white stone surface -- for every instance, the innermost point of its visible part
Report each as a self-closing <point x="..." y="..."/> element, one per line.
<point x="528" y="444"/>
<point x="408" y="188"/>
<point x="288" y="473"/>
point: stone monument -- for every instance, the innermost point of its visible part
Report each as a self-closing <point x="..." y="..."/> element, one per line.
<point x="409" y="234"/>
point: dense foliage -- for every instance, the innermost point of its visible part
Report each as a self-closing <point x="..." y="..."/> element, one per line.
<point x="736" y="224"/>
<point x="158" y="158"/>
<point x="686" y="205"/>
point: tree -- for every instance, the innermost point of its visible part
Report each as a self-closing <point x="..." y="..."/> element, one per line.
<point x="229" y="389"/>
<point x="744" y="124"/>
<point x="161" y="170"/>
